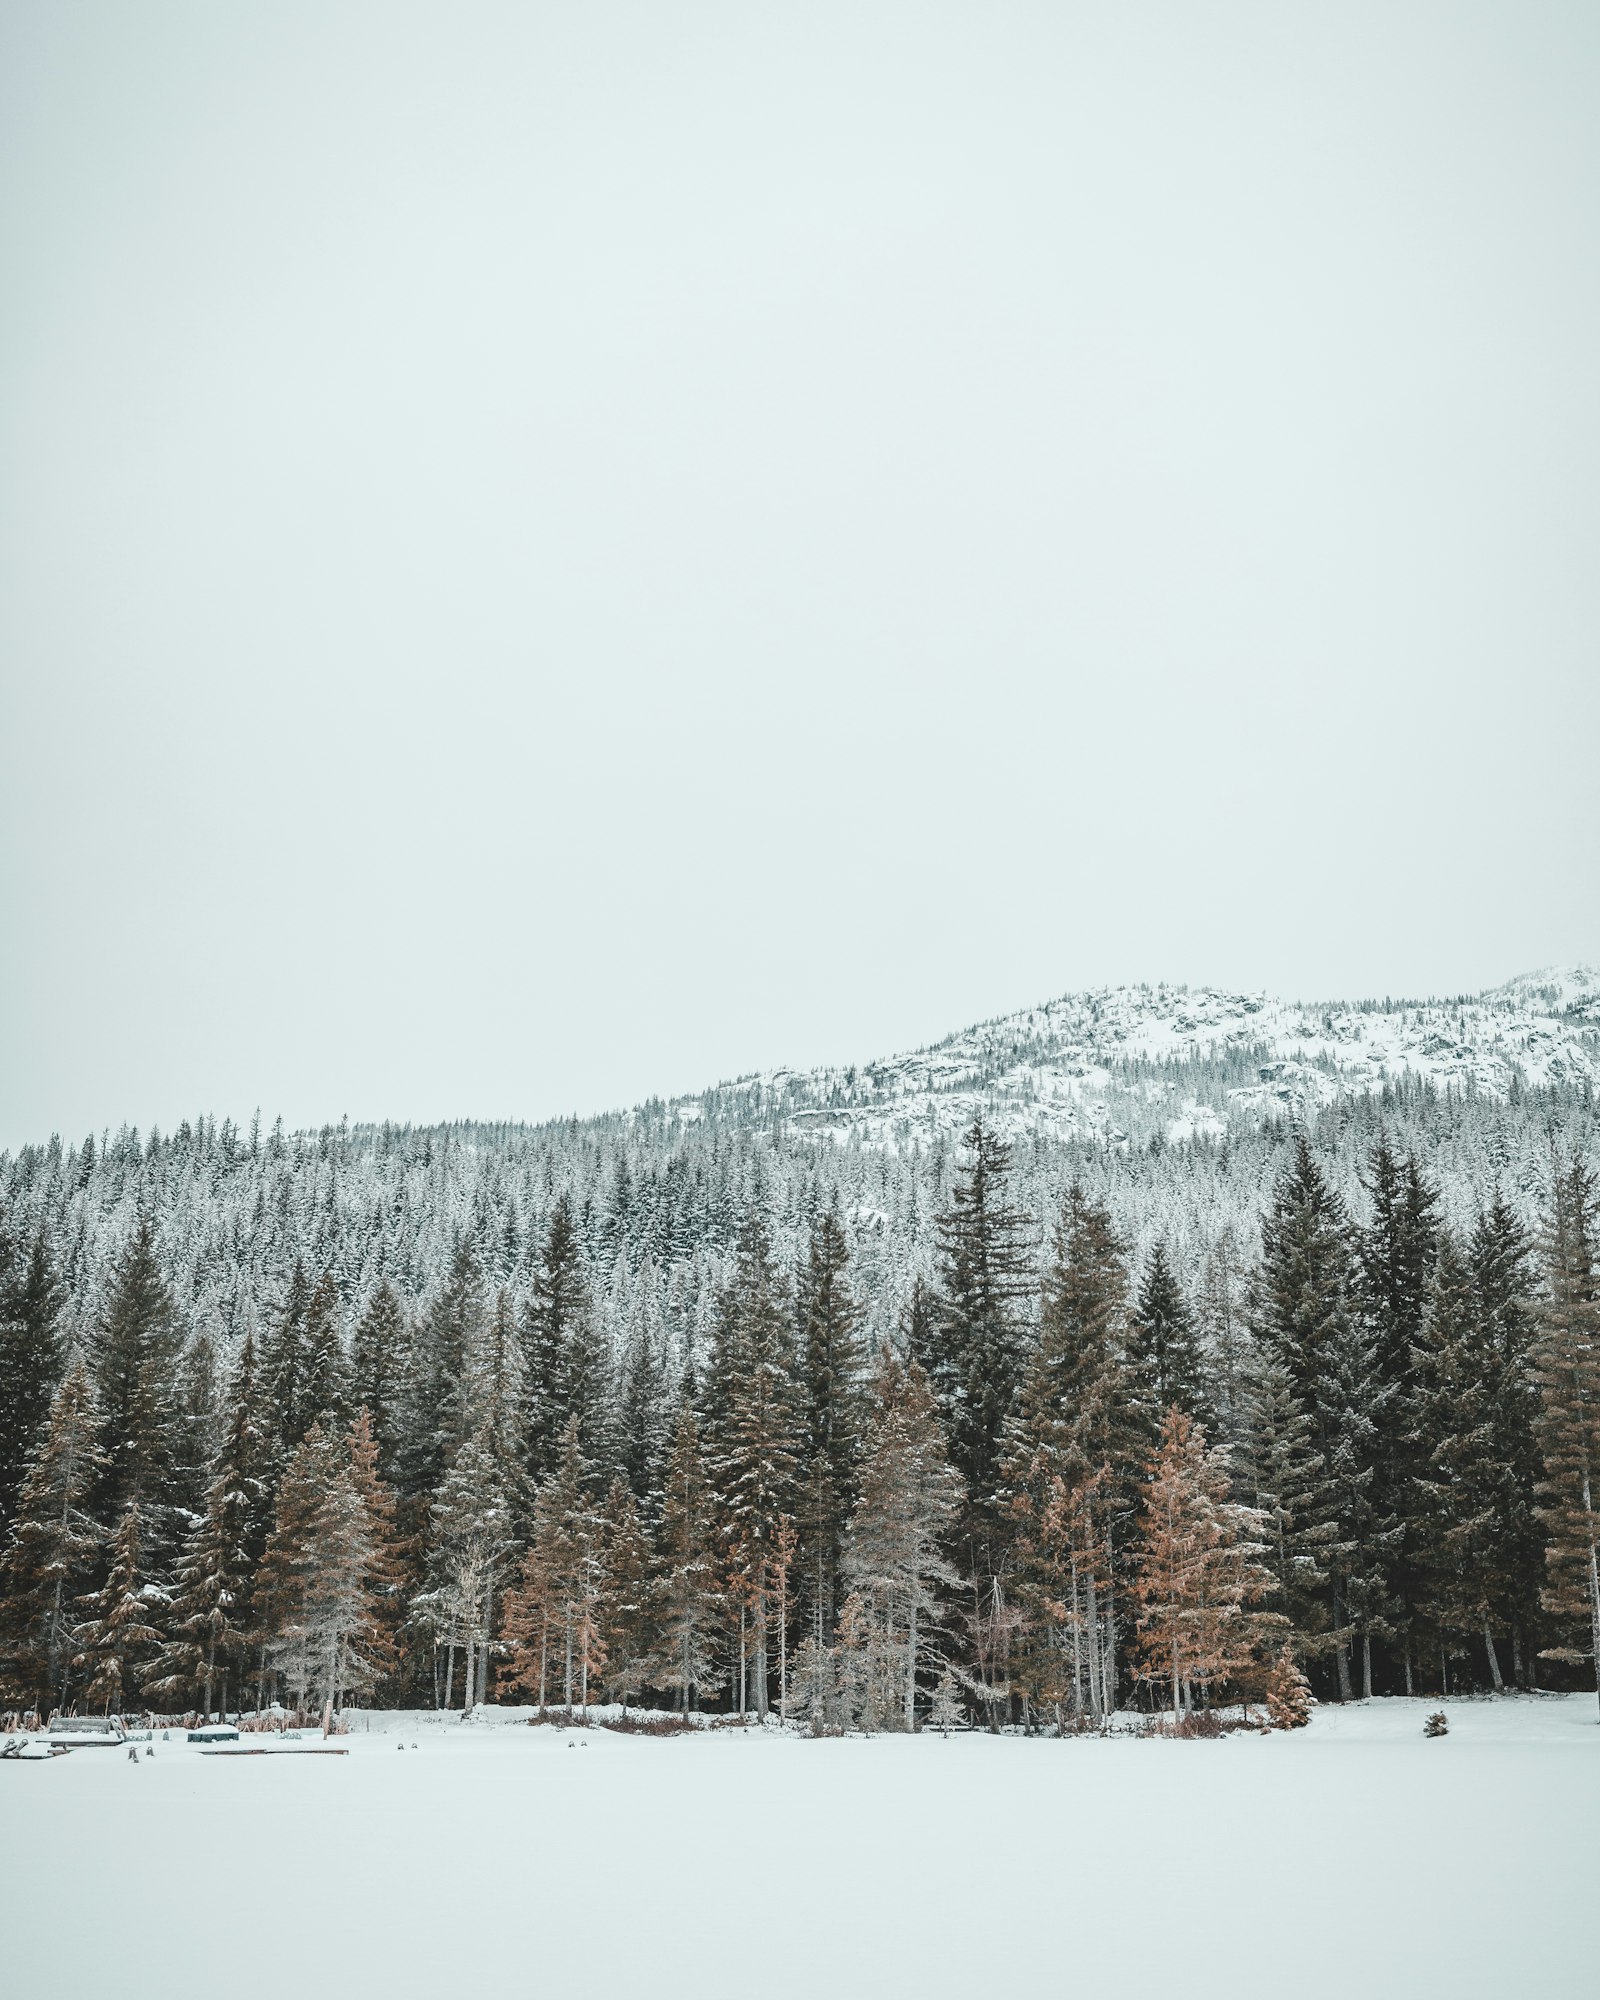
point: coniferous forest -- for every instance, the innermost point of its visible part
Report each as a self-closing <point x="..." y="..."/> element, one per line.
<point x="729" y="1421"/>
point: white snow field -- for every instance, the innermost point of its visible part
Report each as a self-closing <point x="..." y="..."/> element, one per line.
<point x="1351" y="1857"/>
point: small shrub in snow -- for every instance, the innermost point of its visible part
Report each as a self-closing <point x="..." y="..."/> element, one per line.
<point x="1288" y="1693"/>
<point x="1436" y="1724"/>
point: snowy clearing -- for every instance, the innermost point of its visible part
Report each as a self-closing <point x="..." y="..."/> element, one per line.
<point x="1354" y="1855"/>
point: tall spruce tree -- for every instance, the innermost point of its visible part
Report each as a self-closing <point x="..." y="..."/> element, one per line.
<point x="687" y="1601"/>
<point x="986" y="1281"/>
<point x="377" y="1368"/>
<point x="315" y="1591"/>
<point x="892" y="1558"/>
<point x="1396" y="1251"/>
<point x="210" y="1619"/>
<point x="472" y="1540"/>
<point x="831" y="1368"/>
<point x="627" y="1628"/>
<point x="643" y="1414"/>
<point x="1567" y="1369"/>
<point x="197" y="1425"/>
<point x="119" y="1635"/>
<point x="325" y="1395"/>
<point x="52" y="1547"/>
<point x="1197" y="1578"/>
<point x="31" y="1298"/>
<point x="1224" y="1336"/>
<point x="1284" y="1478"/>
<point x="1163" y="1345"/>
<point x="386" y="1576"/>
<point x="1456" y="1396"/>
<point x="561" y="1361"/>
<point x="1502" y="1276"/>
<point x="986" y="1274"/>
<point x="136" y="1345"/>
<point x="754" y="1458"/>
<point x="1308" y="1316"/>
<point x="1076" y="1452"/>
<point x="436" y="1415"/>
<point x="284" y="1367"/>
<point x="555" y="1617"/>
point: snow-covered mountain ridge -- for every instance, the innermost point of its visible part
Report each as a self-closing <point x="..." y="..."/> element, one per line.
<point x="1181" y="1062"/>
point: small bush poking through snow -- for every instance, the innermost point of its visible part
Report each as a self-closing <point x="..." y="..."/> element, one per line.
<point x="1436" y="1724"/>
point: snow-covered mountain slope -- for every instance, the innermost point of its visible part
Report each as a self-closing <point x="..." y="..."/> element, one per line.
<point x="1183" y="1062"/>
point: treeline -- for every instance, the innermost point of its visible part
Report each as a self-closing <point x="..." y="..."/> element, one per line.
<point x="1366" y="1461"/>
<point x="658" y="1207"/>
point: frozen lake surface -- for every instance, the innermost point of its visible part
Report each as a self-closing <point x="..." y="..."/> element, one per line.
<point x="1353" y="1856"/>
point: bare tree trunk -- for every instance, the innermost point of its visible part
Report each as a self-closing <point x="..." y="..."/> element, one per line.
<point x="1096" y="1656"/>
<point x="1366" y="1666"/>
<point x="783" y="1649"/>
<point x="761" y="1649"/>
<point x="911" y="1667"/>
<point x="450" y="1671"/>
<point x="1077" y="1644"/>
<point x="1409" y="1688"/>
<point x="1109" y="1671"/>
<point x="1594" y="1593"/>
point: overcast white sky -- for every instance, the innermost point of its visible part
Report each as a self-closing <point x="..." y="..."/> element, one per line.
<point x="554" y="553"/>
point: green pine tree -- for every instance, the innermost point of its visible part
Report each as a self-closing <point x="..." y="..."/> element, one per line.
<point x="1076" y="1451"/>
<point x="325" y="1397"/>
<point x="1284" y="1477"/>
<point x="687" y="1598"/>
<point x="377" y="1368"/>
<point x="1308" y="1317"/>
<point x="892" y="1559"/>
<point x="1500" y="1256"/>
<point x="1566" y="1361"/>
<point x="1396" y="1252"/>
<point x="561" y="1361"/>
<point x="831" y="1370"/>
<point x="31" y="1298"/>
<point x="986" y="1274"/>
<point x="119" y="1637"/>
<point x="284" y="1366"/>
<point x="1163" y="1343"/>
<point x="1455" y="1396"/>
<point x="209" y="1623"/>
<point x="628" y="1629"/>
<point x="52" y="1546"/>
<point x="754" y="1457"/>
<point x="135" y="1346"/>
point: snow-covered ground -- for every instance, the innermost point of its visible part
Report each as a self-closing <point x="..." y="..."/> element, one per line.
<point x="1354" y="1856"/>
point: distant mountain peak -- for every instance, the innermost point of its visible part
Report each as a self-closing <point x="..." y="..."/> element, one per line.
<point x="1172" y="1061"/>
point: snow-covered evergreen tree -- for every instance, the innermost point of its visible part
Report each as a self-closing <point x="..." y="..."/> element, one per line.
<point x="52" y="1546"/>
<point x="121" y="1628"/>
<point x="1197" y="1579"/>
<point x="31" y="1299"/>
<point x="893" y="1564"/>
<point x="1567" y="1366"/>
<point x="687" y="1594"/>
